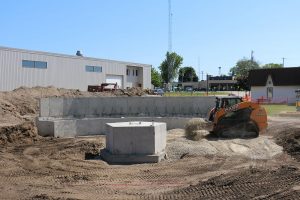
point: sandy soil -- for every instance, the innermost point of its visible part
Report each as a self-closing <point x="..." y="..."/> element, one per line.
<point x="19" y="108"/>
<point x="52" y="168"/>
<point x="32" y="167"/>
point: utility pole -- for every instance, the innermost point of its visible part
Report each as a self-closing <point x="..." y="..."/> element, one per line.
<point x="219" y="71"/>
<point x="207" y="77"/>
<point x="283" y="61"/>
<point x="201" y="75"/>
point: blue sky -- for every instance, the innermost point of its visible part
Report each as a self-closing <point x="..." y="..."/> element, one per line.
<point x="216" y="32"/>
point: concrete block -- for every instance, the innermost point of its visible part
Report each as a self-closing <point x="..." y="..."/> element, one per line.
<point x="45" y="127"/>
<point x="44" y="107"/>
<point x="56" y="107"/>
<point x="65" y="128"/>
<point x="135" y="140"/>
<point x="89" y="126"/>
<point x="130" y="159"/>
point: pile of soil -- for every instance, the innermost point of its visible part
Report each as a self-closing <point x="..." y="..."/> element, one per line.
<point x="22" y="105"/>
<point x="21" y="133"/>
<point x="133" y="92"/>
<point x="290" y="140"/>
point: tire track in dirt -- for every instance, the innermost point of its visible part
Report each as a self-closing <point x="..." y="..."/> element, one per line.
<point x="244" y="185"/>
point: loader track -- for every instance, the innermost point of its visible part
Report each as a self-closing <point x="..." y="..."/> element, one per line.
<point x="251" y="184"/>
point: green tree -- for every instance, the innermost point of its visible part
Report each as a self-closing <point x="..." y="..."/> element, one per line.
<point x="169" y="67"/>
<point x="187" y="74"/>
<point x="155" y="78"/>
<point x="272" y="65"/>
<point x="241" y="72"/>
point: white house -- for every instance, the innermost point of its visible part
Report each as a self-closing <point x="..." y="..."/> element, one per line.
<point x="276" y="85"/>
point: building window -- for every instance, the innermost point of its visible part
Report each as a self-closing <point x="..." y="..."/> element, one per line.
<point x="127" y="72"/>
<point x="40" y="65"/>
<point x="133" y="72"/>
<point x="34" y="64"/>
<point x="89" y="68"/>
<point x="136" y="72"/>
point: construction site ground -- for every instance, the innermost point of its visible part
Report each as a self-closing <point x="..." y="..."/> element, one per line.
<point x="33" y="167"/>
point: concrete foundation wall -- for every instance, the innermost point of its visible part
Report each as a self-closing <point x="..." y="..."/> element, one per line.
<point x="70" y="117"/>
<point x="125" y="106"/>
<point x="60" y="127"/>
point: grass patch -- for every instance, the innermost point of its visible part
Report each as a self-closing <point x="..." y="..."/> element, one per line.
<point x="184" y="93"/>
<point x="276" y="109"/>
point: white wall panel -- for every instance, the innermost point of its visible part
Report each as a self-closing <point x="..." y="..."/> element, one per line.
<point x="280" y="93"/>
<point x="63" y="71"/>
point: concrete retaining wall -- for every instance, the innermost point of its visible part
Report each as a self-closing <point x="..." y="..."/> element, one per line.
<point x="125" y="106"/>
<point x="70" y="117"/>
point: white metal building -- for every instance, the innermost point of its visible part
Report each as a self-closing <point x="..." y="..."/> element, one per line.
<point x="28" y="68"/>
<point x="275" y="85"/>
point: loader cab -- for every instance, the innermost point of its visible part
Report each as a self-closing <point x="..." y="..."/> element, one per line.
<point x="225" y="102"/>
<point x="222" y="103"/>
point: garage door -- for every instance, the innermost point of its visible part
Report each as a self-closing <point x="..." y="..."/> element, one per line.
<point x="115" y="79"/>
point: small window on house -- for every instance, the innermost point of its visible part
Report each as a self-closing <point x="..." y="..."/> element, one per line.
<point x="127" y="72"/>
<point x="133" y="72"/>
<point x="136" y="72"/>
<point x="96" y="69"/>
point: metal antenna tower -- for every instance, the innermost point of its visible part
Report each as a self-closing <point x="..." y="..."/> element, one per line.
<point x="199" y="72"/>
<point x="283" y="59"/>
<point x="170" y="26"/>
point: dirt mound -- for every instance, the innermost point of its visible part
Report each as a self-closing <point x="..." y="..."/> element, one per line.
<point x="289" y="139"/>
<point x="133" y="92"/>
<point x="21" y="105"/>
<point x="22" y="133"/>
<point x="196" y="129"/>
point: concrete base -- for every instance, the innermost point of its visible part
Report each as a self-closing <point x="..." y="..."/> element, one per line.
<point x="72" y="127"/>
<point x="131" y="159"/>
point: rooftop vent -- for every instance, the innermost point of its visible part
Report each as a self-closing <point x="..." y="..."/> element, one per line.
<point x="78" y="53"/>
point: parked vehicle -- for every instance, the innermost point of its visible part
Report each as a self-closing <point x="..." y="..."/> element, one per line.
<point x="159" y="91"/>
<point x="189" y="89"/>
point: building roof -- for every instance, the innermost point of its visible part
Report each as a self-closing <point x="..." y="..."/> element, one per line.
<point x="280" y="76"/>
<point x="71" y="56"/>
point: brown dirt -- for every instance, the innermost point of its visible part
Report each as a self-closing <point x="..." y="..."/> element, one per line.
<point x="56" y="168"/>
<point x="290" y="140"/>
<point x="19" y="108"/>
<point x="25" y="132"/>
<point x="33" y="167"/>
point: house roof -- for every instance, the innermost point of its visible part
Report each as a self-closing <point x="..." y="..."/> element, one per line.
<point x="280" y="76"/>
